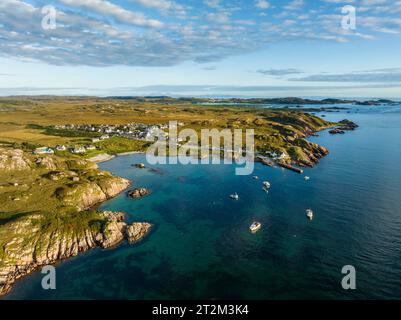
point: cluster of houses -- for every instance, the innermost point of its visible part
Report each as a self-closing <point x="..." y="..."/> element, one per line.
<point x="73" y="149"/>
<point x="138" y="131"/>
<point x="277" y="155"/>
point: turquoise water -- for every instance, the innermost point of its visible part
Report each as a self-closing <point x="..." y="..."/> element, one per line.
<point x="201" y="247"/>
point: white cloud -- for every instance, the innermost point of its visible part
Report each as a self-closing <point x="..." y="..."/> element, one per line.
<point x="102" y="33"/>
<point x="262" y="4"/>
<point x="109" y="9"/>
<point x="219" y="17"/>
<point x="294" y="5"/>
<point x="212" y="3"/>
<point x="163" y="6"/>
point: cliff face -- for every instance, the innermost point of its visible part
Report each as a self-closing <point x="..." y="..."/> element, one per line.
<point x="20" y="257"/>
<point x="86" y="195"/>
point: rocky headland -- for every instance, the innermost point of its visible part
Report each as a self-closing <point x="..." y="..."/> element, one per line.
<point x="52" y="219"/>
<point x="345" y="125"/>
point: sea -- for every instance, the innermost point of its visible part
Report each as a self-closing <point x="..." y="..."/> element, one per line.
<point x="201" y="248"/>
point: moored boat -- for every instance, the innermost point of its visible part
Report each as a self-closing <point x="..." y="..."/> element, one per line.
<point x="309" y="214"/>
<point x="255" y="226"/>
<point x="234" y="196"/>
<point x="266" y="184"/>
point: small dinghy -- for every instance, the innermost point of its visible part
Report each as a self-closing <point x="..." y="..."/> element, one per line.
<point x="307" y="178"/>
<point x="309" y="214"/>
<point x="267" y="184"/>
<point x="234" y="196"/>
<point x="255" y="227"/>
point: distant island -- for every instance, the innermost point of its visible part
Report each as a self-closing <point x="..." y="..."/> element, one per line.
<point x="196" y="100"/>
<point x="272" y="101"/>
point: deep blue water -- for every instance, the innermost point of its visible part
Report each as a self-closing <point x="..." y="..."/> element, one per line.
<point x="201" y="247"/>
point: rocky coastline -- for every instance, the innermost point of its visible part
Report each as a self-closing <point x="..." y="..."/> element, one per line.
<point x="38" y="238"/>
<point x="59" y="247"/>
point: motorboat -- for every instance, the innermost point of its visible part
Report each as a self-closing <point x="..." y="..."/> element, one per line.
<point x="309" y="214"/>
<point x="234" y="196"/>
<point x="255" y="226"/>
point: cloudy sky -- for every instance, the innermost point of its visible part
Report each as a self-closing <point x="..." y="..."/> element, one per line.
<point x="200" y="47"/>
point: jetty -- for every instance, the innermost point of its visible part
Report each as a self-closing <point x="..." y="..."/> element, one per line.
<point x="290" y="167"/>
<point x="266" y="161"/>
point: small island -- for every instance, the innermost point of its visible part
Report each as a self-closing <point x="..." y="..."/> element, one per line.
<point x="138" y="193"/>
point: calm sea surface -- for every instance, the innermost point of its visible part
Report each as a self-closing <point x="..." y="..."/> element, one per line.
<point x="201" y="247"/>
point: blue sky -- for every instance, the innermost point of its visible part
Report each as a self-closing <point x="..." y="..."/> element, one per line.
<point x="201" y="47"/>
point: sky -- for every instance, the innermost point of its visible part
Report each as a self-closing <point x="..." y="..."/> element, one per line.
<point x="256" y="48"/>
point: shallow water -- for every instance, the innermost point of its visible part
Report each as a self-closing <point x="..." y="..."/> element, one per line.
<point x="201" y="246"/>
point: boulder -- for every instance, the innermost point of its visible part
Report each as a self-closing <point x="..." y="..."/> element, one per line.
<point x="138" y="193"/>
<point x="137" y="231"/>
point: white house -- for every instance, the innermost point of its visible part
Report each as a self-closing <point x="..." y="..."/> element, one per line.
<point x="90" y="147"/>
<point x="61" y="147"/>
<point x="78" y="149"/>
<point x="43" y="150"/>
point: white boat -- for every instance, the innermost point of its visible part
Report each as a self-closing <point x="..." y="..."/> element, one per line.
<point x="266" y="184"/>
<point x="307" y="178"/>
<point x="256" y="177"/>
<point x="234" y="196"/>
<point x="255" y="226"/>
<point x="309" y="214"/>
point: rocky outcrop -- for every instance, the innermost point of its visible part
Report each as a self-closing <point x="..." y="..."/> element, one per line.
<point x="137" y="231"/>
<point x="19" y="257"/>
<point x="337" y="131"/>
<point x="13" y="160"/>
<point x="86" y="195"/>
<point x="348" y="125"/>
<point x="46" y="162"/>
<point x="345" y="125"/>
<point x="138" y="193"/>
